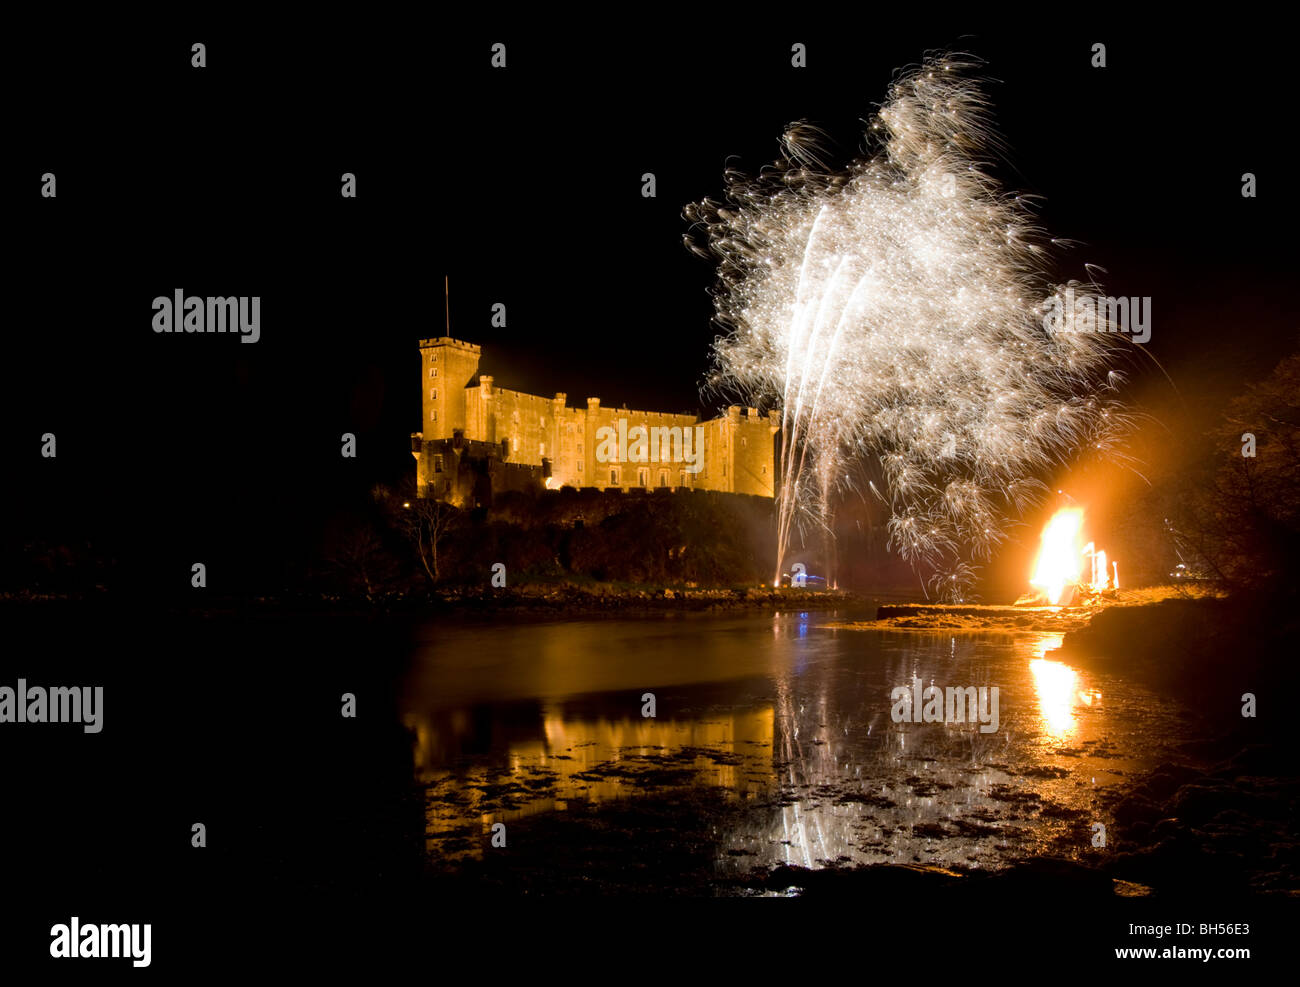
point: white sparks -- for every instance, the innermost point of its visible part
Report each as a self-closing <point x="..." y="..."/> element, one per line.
<point x="894" y="312"/>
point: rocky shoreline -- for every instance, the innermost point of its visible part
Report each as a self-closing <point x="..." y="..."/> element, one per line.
<point x="1226" y="829"/>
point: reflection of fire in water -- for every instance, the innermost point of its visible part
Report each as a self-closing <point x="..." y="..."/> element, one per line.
<point x="1059" y="569"/>
<point x="1057" y="688"/>
<point x="1054" y="684"/>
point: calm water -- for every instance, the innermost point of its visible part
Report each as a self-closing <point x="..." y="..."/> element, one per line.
<point x="789" y="718"/>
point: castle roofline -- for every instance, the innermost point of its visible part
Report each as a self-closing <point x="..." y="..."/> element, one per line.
<point x="732" y="413"/>
<point x="449" y="341"/>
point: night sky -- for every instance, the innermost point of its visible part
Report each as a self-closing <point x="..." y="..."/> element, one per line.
<point x="523" y="186"/>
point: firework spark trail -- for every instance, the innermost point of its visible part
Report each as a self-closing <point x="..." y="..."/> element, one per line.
<point x="895" y="312"/>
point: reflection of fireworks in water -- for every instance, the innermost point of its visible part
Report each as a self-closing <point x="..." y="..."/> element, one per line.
<point x="895" y="313"/>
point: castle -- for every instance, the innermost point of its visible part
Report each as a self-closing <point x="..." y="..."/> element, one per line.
<point x="478" y="439"/>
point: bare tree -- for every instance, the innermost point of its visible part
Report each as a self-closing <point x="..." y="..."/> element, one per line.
<point x="361" y="561"/>
<point x="425" y="522"/>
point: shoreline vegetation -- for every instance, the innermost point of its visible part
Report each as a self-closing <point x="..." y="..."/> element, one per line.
<point x="893" y="611"/>
<point x="559" y="599"/>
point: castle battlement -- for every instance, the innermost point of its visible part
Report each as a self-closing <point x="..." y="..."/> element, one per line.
<point x="448" y="341"/>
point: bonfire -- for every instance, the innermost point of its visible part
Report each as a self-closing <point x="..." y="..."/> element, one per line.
<point x="1068" y="571"/>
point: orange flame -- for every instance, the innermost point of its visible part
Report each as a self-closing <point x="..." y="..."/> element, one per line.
<point x="1060" y="557"/>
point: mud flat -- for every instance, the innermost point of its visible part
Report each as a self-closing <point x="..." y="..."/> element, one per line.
<point x="938" y="617"/>
<point x="984" y="618"/>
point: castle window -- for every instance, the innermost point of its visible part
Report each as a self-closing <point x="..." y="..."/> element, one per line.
<point x="642" y="478"/>
<point x="724" y="467"/>
<point x="541" y="449"/>
<point x="433" y="371"/>
<point x="579" y="465"/>
<point x="663" y="478"/>
<point x="437" y="464"/>
<point x="742" y="441"/>
<point x="434" y="394"/>
<point x="433" y="416"/>
<point x="613" y="477"/>
<point x="681" y="478"/>
<point x="765" y="471"/>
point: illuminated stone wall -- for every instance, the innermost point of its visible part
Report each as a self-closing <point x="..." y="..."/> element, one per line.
<point x="542" y="432"/>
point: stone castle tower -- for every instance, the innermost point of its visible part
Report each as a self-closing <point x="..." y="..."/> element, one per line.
<point x="446" y="367"/>
<point x="525" y="439"/>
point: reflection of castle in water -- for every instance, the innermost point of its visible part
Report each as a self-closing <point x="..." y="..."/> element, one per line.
<point x="584" y="759"/>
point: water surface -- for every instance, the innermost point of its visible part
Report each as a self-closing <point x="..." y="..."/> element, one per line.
<point x="785" y="718"/>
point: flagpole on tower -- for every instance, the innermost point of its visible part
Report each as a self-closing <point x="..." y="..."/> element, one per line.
<point x="446" y="281"/>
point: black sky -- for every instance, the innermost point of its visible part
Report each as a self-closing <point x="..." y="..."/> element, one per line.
<point x="523" y="186"/>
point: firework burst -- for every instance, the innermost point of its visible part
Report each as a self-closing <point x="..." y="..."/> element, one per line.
<point x="894" y="311"/>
